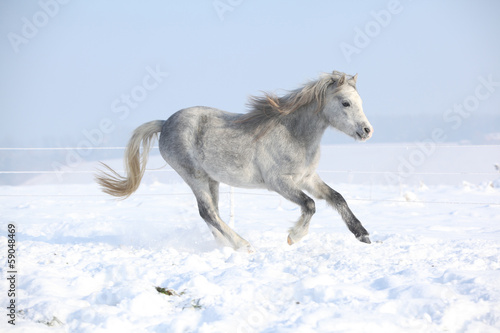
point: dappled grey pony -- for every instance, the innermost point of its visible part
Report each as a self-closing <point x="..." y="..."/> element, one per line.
<point x="276" y="146"/>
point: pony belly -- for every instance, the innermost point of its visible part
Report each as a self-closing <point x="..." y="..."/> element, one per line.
<point x="244" y="178"/>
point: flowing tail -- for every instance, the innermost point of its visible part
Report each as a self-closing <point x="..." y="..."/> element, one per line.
<point x="135" y="164"/>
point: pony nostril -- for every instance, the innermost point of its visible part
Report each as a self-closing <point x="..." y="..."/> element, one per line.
<point x="367" y="130"/>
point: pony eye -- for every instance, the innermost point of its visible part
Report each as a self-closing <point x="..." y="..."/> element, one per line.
<point x="346" y="104"/>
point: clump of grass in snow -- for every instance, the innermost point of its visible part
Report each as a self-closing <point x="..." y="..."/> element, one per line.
<point x="168" y="292"/>
<point x="195" y="304"/>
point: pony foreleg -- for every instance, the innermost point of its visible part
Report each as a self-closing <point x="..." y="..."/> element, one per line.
<point x="321" y="190"/>
<point x="290" y="191"/>
<point x="301" y="228"/>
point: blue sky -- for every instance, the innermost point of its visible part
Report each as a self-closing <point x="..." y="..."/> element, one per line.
<point x="66" y="67"/>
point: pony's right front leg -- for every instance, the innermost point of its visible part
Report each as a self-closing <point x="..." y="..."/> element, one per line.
<point x="321" y="190"/>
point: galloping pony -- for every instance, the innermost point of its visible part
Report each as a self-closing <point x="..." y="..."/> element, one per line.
<point x="275" y="146"/>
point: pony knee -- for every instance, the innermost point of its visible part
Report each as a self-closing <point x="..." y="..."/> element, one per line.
<point x="309" y="206"/>
<point x="203" y="210"/>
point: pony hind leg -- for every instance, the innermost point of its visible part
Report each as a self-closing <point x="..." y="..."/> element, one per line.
<point x="207" y="205"/>
<point x="214" y="192"/>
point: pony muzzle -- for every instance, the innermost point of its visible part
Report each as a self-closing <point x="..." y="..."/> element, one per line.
<point x="364" y="132"/>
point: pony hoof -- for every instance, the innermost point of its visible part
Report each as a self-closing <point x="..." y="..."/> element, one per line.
<point x="289" y="240"/>
<point x="364" y="239"/>
<point x="246" y="249"/>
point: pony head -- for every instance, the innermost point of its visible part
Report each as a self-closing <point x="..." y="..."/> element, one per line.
<point x="343" y="108"/>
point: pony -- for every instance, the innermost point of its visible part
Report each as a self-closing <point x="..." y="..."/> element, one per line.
<point x="274" y="146"/>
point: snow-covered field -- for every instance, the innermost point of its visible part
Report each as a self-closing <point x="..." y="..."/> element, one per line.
<point x="89" y="263"/>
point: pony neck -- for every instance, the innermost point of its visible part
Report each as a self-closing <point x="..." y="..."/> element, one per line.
<point x="306" y="125"/>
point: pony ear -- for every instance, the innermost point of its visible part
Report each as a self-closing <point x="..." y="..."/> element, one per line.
<point x="341" y="80"/>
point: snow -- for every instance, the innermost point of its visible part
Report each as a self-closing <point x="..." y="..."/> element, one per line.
<point x="90" y="263"/>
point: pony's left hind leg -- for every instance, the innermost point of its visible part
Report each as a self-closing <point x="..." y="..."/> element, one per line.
<point x="207" y="205"/>
<point x="214" y="192"/>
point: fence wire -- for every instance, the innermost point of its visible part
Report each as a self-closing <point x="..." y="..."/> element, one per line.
<point x="232" y="192"/>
